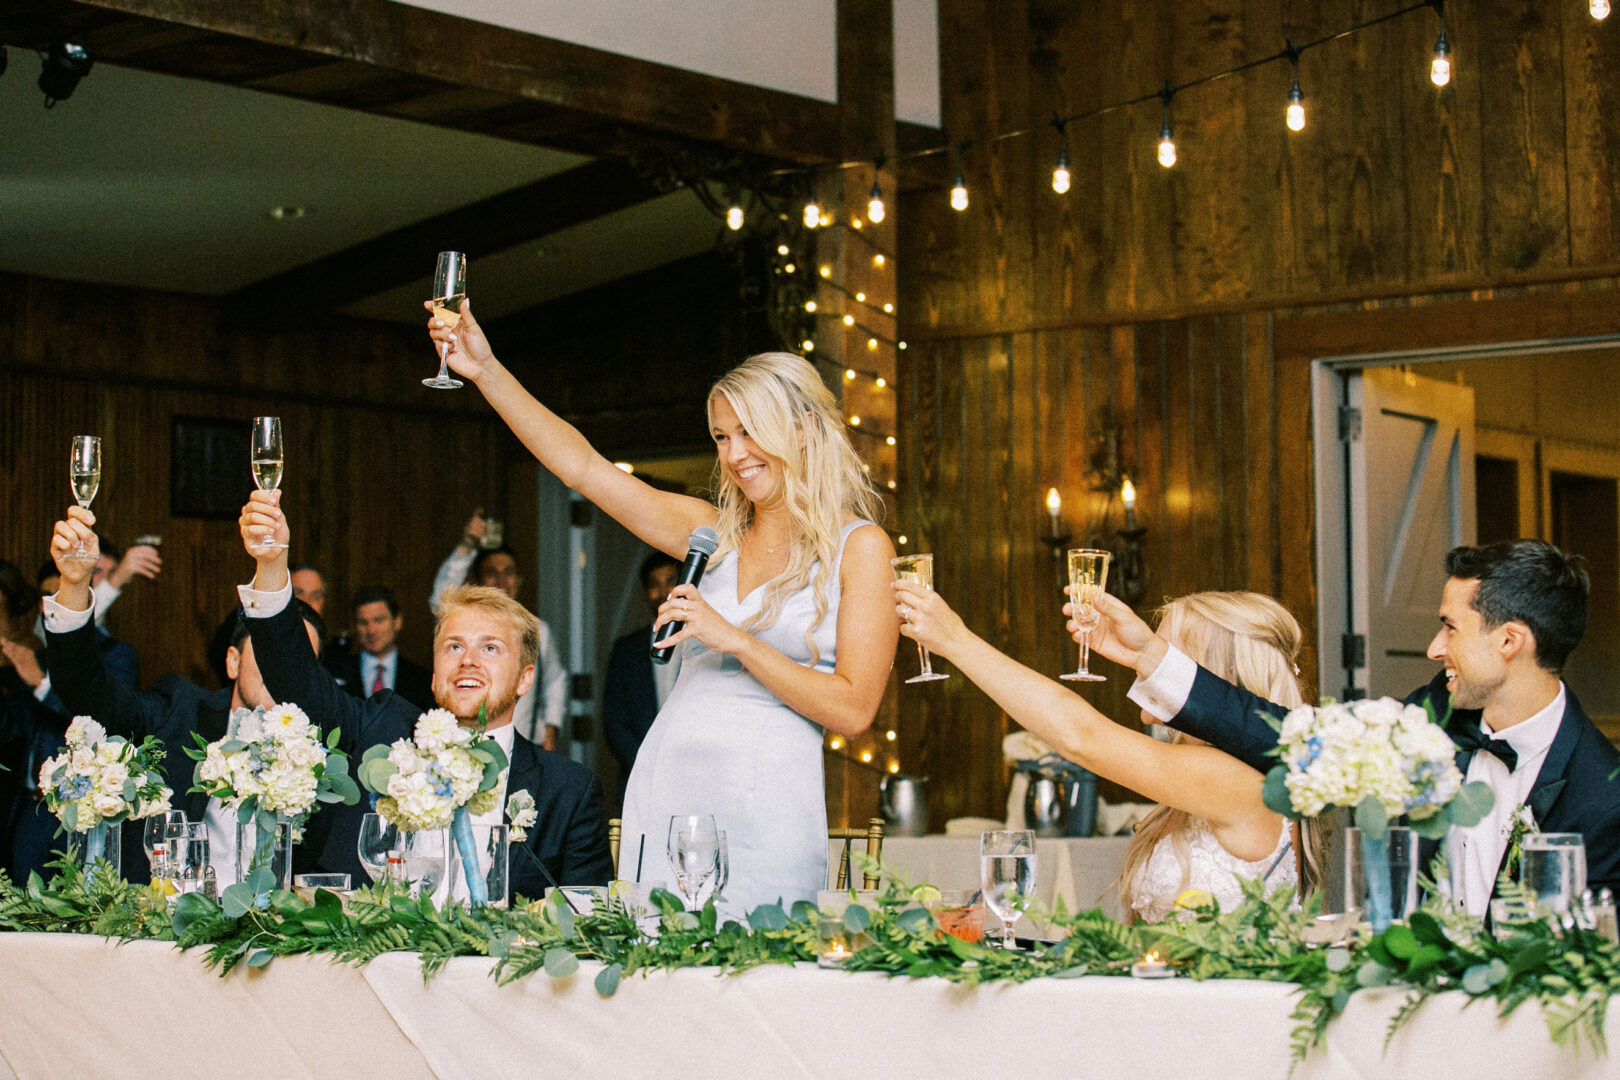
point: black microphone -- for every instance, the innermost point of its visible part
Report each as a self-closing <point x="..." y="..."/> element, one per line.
<point x="699" y="546"/>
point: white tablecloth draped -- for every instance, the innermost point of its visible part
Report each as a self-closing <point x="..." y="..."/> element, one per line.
<point x="81" y="1006"/>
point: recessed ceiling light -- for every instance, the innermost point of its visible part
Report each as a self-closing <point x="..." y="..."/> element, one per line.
<point x="286" y="213"/>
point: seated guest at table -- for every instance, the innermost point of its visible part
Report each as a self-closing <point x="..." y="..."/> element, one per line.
<point x="379" y="665"/>
<point x="1212" y="827"/>
<point x="1510" y="615"/>
<point x="540" y="712"/>
<point x="32" y="722"/>
<point x="172" y="710"/>
<point x="484" y="648"/>
<point x="636" y="687"/>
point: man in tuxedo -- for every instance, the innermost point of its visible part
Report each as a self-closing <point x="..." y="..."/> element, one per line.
<point x="1510" y="615"/>
<point x="484" y="648"/>
<point x="379" y="666"/>
<point x="172" y="710"/>
<point x="636" y="687"/>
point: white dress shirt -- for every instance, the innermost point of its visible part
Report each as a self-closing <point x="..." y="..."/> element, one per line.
<point x="368" y="670"/>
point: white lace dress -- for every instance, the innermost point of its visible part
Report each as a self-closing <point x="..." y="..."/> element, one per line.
<point x="1210" y="866"/>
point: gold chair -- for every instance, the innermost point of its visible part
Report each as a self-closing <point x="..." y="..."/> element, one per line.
<point x="873" y="835"/>
<point x="615" y="828"/>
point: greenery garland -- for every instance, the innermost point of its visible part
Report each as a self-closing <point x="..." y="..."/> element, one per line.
<point x="1571" y="972"/>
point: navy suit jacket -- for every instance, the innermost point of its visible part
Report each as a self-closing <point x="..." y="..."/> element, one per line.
<point x="570" y="833"/>
<point x="1572" y="792"/>
<point x="412" y="681"/>
<point x="629" y="700"/>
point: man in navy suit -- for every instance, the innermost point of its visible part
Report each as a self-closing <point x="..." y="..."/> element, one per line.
<point x="172" y="710"/>
<point x="484" y="649"/>
<point x="636" y="687"/>
<point x="1510" y="615"/>
<point x="379" y="665"/>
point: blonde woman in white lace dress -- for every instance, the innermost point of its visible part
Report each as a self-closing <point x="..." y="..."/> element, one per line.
<point x="1212" y="827"/>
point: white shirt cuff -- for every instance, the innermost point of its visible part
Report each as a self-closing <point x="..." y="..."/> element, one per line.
<point x="62" y="620"/>
<point x="262" y="605"/>
<point x="1164" y="693"/>
<point x="43" y="690"/>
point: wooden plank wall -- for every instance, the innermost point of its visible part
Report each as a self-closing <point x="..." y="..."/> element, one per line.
<point x="1181" y="307"/>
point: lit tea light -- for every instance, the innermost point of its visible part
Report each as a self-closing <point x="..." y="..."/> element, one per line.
<point x="835" y="955"/>
<point x="1152" y="966"/>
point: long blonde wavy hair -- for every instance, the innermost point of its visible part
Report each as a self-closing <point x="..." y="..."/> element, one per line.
<point x="791" y="416"/>
<point x="1248" y="639"/>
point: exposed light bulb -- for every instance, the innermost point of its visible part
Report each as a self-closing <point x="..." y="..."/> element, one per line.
<point x="861" y="297"/>
<point x="891" y="735"/>
<point x="890" y="440"/>
<point x="880" y="381"/>
<point x="891" y="485"/>
<point x="1440" y="68"/>
<point x="849" y="320"/>
<point x="866" y="755"/>
<point x="1296" y="108"/>
<point x="959" y="195"/>
<point x="1599" y="9"/>
<point x="1167" y="146"/>
<point x="854" y="421"/>
<point x="888" y="309"/>
<point x="874" y="206"/>
<point x="810" y="305"/>
<point x="878" y="260"/>
<point x="812" y="214"/>
<point x="789" y="268"/>
<point x="894" y="766"/>
<point x="825" y="271"/>
<point x="1127" y="494"/>
<point x="849" y="373"/>
<point x="855" y="222"/>
<point x="871" y="345"/>
<point x="1060" y="179"/>
<point x="781" y="249"/>
<point x="734" y="218"/>
<point x="901" y="540"/>
<point x="809" y="346"/>
<point x="901" y="346"/>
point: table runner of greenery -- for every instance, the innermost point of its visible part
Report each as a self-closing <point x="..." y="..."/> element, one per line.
<point x="1570" y="971"/>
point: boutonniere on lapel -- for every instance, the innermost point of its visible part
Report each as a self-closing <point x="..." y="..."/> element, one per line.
<point x="521" y="813"/>
<point x="1521" y="824"/>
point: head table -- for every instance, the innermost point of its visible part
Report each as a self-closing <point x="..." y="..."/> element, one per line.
<point x="74" y="1005"/>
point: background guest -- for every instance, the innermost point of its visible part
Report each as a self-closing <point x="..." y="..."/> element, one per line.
<point x="113" y="573"/>
<point x="32" y="721"/>
<point x="636" y="687"/>
<point x="379" y="666"/>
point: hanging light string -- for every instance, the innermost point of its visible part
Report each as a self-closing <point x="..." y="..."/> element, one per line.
<point x="1290" y="52"/>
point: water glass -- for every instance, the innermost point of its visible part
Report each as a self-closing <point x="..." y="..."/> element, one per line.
<point x="189" y="863"/>
<point x="1007" y="874"/>
<point x="694" y="853"/>
<point x="420" y="860"/>
<point x="1553" y="869"/>
<point x="378" y="837"/>
<point x="156" y="837"/>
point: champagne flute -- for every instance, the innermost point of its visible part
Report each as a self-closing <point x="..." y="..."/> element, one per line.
<point x="267" y="459"/>
<point x="694" y="853"/>
<point x="1007" y="874"/>
<point x="85" y="472"/>
<point x="449" y="290"/>
<point x="1088" y="577"/>
<point x="920" y="569"/>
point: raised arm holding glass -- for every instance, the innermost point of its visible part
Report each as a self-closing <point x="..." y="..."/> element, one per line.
<point x="789" y="633"/>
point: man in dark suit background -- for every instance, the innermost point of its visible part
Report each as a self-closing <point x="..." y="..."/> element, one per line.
<point x="484" y="649"/>
<point x="1510" y="615"/>
<point x="172" y="710"/>
<point x="378" y="665"/>
<point x="636" y="687"/>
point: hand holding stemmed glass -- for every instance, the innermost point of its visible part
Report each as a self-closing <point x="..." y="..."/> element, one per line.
<point x="694" y="853"/>
<point x="1007" y="874"/>
<point x="449" y="292"/>
<point x="84" y="473"/>
<point x="1088" y="577"/>
<point x="268" y="456"/>
<point x="919" y="570"/>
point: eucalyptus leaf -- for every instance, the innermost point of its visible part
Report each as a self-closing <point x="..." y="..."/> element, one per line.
<point x="332" y="738"/>
<point x="70" y="816"/>
<point x="1275" y="792"/>
<point x="1337" y="960"/>
<point x="1472" y="802"/>
<point x="801" y="912"/>
<point x="1071" y="972"/>
<point x="1372" y="819"/>
<point x="915" y="920"/>
<point x="244" y="813"/>
<point x="237" y="899"/>
<point x="1373" y="973"/>
<point x="607" y="980"/>
<point x="856" y="919"/>
<point x="1477" y="979"/>
<point x="1401" y="942"/>
<point x="768" y="917"/>
<point x="132" y="791"/>
<point x="260" y="958"/>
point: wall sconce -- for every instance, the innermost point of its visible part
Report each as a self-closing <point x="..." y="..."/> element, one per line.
<point x="1057" y="539"/>
<point x="1129" y="577"/>
<point x="1128" y="580"/>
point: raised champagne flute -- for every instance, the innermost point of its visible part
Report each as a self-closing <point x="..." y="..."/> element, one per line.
<point x="449" y="290"/>
<point x="85" y="472"/>
<point x="1088" y="577"/>
<point x="267" y="459"/>
<point x="920" y="569"/>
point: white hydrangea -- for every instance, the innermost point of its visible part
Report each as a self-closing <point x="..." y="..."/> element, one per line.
<point x="1341" y="754"/>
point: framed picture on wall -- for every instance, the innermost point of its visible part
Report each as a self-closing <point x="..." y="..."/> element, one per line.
<point x="209" y="472"/>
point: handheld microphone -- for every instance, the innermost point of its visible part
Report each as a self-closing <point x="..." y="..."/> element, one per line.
<point x="699" y="546"/>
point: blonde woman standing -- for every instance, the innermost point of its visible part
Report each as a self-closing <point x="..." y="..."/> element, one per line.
<point x="790" y="633"/>
<point x="1212" y="828"/>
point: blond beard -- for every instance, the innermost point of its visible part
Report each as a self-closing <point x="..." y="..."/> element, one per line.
<point x="494" y="708"/>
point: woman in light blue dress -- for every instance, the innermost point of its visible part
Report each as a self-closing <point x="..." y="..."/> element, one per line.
<point x="791" y="634"/>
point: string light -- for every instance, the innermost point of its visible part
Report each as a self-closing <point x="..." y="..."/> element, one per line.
<point x="1167" y="143"/>
<point x="810" y="306"/>
<point x="878" y="260"/>
<point x="894" y="766"/>
<point x="866" y="756"/>
<point x="734" y="216"/>
<point x="1599" y="9"/>
<point x="854" y="421"/>
<point x="889" y="440"/>
<point x="861" y="297"/>
<point x="901" y="540"/>
<point x="959" y="195"/>
<point x="881" y="382"/>
<point x="789" y="268"/>
<point x="825" y="271"/>
<point x="891" y="485"/>
<point x="1296" y="96"/>
<point x="1440" y="66"/>
<point x="849" y="320"/>
<point x="812" y="214"/>
<point x="1060" y="173"/>
<point x="890" y="735"/>
<point x="872" y="343"/>
<point x="809" y="346"/>
<point x="855" y="222"/>
<point x="836" y="743"/>
<point x="849" y="374"/>
<point x="888" y="309"/>
<point x="874" y="206"/>
<point x="781" y="249"/>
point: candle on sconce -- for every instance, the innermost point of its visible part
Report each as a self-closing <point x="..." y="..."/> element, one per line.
<point x="1054" y="507"/>
<point x="1127" y="495"/>
<point x="1152" y="966"/>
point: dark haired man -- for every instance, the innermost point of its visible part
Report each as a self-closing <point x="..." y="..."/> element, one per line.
<point x="636" y="687"/>
<point x="379" y="665"/>
<point x="1510" y="615"/>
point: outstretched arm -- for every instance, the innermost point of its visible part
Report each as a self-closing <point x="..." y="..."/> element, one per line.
<point x="1198" y="779"/>
<point x="661" y="518"/>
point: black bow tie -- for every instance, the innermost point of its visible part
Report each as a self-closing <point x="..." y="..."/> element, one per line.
<point x="1470" y="738"/>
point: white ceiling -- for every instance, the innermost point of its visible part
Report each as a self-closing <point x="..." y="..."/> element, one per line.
<point x="167" y="183"/>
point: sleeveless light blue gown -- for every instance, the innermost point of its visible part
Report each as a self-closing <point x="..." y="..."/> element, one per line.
<point x="724" y="745"/>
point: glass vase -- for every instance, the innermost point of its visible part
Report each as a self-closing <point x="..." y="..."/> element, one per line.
<point x="480" y="865"/>
<point x="101" y="850"/>
<point x="269" y="847"/>
<point x="1381" y="874"/>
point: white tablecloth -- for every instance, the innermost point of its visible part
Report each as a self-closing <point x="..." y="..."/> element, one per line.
<point x="77" y="1006"/>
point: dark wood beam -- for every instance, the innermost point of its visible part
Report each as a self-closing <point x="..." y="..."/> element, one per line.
<point x="405" y="61"/>
<point x="490" y="225"/>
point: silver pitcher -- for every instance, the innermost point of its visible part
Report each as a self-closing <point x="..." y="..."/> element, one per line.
<point x="903" y="801"/>
<point x="1046" y="807"/>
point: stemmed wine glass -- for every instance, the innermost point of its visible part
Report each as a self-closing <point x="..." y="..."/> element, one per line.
<point x="267" y="460"/>
<point x="378" y="840"/>
<point x="449" y="290"/>
<point x="160" y="832"/>
<point x="1007" y="874"/>
<point x="85" y="472"/>
<point x="694" y="853"/>
<point x="1088" y="577"/>
<point x="422" y="858"/>
<point x="920" y="569"/>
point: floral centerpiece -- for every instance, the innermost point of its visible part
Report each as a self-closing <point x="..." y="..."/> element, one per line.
<point x="1381" y="759"/>
<point x="271" y="767"/>
<point x="439" y="778"/>
<point x="100" y="780"/>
